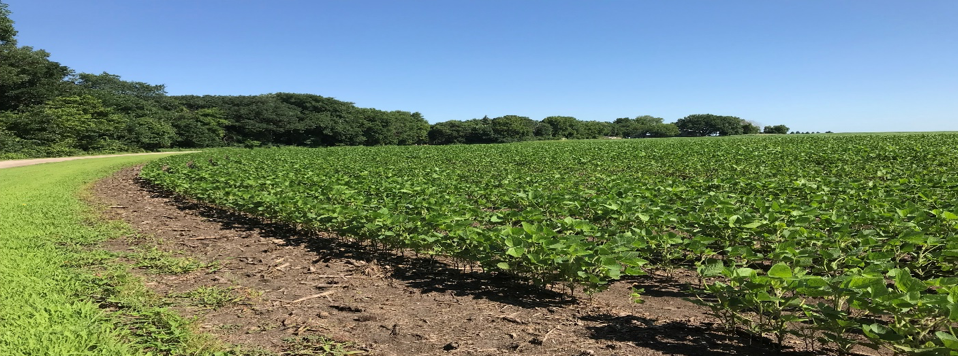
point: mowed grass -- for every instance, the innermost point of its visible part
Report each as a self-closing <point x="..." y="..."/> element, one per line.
<point x="46" y="306"/>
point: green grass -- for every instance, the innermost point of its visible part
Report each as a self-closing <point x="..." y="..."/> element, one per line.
<point x="52" y="287"/>
<point x="213" y="297"/>
<point x="157" y="261"/>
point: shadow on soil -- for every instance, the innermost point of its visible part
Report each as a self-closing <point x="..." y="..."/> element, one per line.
<point x="426" y="274"/>
<point x="434" y="276"/>
<point x="677" y="338"/>
<point x="661" y="286"/>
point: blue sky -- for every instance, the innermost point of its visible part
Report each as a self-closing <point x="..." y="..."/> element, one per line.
<point x="814" y="65"/>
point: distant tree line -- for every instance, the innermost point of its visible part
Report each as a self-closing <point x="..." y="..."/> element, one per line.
<point x="46" y="109"/>
<point x="513" y="128"/>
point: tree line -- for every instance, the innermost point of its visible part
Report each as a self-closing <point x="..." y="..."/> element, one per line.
<point x="46" y="109"/>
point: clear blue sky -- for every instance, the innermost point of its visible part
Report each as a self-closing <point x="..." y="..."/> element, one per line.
<point x="814" y="65"/>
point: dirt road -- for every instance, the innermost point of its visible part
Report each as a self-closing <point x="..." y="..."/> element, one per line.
<point x="29" y="162"/>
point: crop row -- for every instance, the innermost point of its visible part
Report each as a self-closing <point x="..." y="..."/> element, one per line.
<point x="817" y="236"/>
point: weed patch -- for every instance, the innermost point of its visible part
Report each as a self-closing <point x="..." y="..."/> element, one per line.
<point x="157" y="261"/>
<point x="213" y="297"/>
<point x="317" y="345"/>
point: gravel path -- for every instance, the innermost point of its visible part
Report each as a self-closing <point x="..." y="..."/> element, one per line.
<point x="29" y="162"/>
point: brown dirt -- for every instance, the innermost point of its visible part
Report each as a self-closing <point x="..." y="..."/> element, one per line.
<point x="387" y="304"/>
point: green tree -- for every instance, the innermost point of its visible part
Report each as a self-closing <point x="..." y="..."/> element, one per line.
<point x="696" y="125"/>
<point x="638" y="127"/>
<point x="377" y="127"/>
<point x="149" y="133"/>
<point x="410" y="128"/>
<point x="11" y="146"/>
<point x="113" y="84"/>
<point x="27" y="76"/>
<point x="593" y="129"/>
<point x="513" y="128"/>
<point x="776" y="129"/>
<point x="663" y="130"/>
<point x="333" y="130"/>
<point x="393" y="127"/>
<point x="7" y="33"/>
<point x="708" y="125"/>
<point x="269" y="120"/>
<point x="626" y="127"/>
<point x="543" y="131"/>
<point x="199" y="128"/>
<point x="69" y="125"/>
<point x="309" y="120"/>
<point x="448" y="132"/>
<point x="318" y="121"/>
<point x="131" y="98"/>
<point x="149" y="113"/>
<point x="648" y="120"/>
<point x="563" y="126"/>
<point x="480" y="131"/>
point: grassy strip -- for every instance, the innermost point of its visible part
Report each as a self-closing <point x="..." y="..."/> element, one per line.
<point x="51" y="299"/>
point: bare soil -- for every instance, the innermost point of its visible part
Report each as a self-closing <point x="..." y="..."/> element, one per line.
<point x="297" y="284"/>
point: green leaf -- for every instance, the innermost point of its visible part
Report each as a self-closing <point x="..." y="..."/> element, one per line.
<point x="908" y="284"/>
<point x="712" y="268"/>
<point x="815" y="282"/>
<point x="780" y="270"/>
<point x="878" y="331"/>
<point x="732" y="219"/>
<point x="763" y="296"/>
<point x="858" y="282"/>
<point x="744" y="272"/>
<point x="529" y="228"/>
<point x="502" y="265"/>
<point x="949" y="340"/>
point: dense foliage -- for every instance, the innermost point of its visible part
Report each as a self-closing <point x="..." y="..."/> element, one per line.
<point x="513" y="128"/>
<point x="776" y="129"/>
<point x="306" y="120"/>
<point x="821" y="236"/>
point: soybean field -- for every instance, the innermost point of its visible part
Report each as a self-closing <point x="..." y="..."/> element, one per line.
<point x="847" y="240"/>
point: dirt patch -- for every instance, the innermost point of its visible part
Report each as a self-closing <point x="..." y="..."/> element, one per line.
<point x="286" y="284"/>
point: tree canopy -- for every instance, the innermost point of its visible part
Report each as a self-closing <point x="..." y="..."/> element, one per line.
<point x="709" y="125"/>
<point x="7" y="33"/>
<point x="643" y="126"/>
<point x="776" y="129"/>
